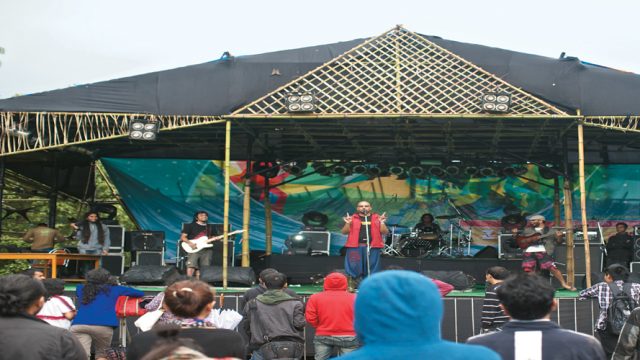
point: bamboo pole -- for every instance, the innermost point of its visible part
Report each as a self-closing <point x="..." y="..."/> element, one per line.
<point x="568" y="225"/>
<point x="246" y="217"/>
<point x="225" y="222"/>
<point x="583" y="203"/>
<point x="267" y="218"/>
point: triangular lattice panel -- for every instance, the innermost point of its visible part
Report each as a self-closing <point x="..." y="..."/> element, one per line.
<point x="398" y="72"/>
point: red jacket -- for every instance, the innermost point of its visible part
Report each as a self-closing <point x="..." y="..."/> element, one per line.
<point x="354" y="232"/>
<point x="331" y="312"/>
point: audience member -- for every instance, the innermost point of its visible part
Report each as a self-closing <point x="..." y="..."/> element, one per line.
<point x="276" y="322"/>
<point x="261" y="288"/>
<point x="22" y="335"/>
<point x="58" y="310"/>
<point x="492" y="315"/>
<point x="529" y="300"/>
<point x="614" y="275"/>
<point x="628" y="344"/>
<point x="398" y="315"/>
<point x="192" y="301"/>
<point x="331" y="313"/>
<point x="96" y="317"/>
<point x="158" y="302"/>
<point x="620" y="246"/>
<point x="34" y="273"/>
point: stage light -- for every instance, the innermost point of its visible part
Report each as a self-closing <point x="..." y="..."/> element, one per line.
<point x="436" y="171"/>
<point x="416" y="170"/>
<point x="496" y="102"/>
<point x="143" y="129"/>
<point x="520" y="170"/>
<point x="321" y="168"/>
<point x="359" y="169"/>
<point x="341" y="170"/>
<point x="396" y="170"/>
<point x="298" y="244"/>
<point x="471" y="171"/>
<point x="378" y="170"/>
<point x="295" y="167"/>
<point x="452" y="170"/>
<point x="487" y="172"/>
<point x="547" y="172"/>
<point x="300" y="102"/>
<point x="268" y="169"/>
<point x="508" y="171"/>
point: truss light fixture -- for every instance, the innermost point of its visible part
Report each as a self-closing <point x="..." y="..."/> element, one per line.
<point x="437" y="171"/>
<point x="487" y="172"/>
<point x="496" y="102"/>
<point x="143" y="129"/>
<point x="471" y="171"/>
<point x="416" y="170"/>
<point x="300" y="102"/>
<point x="396" y="170"/>
<point x="359" y="169"/>
<point x="452" y="170"/>
<point x="295" y="167"/>
<point x="341" y="170"/>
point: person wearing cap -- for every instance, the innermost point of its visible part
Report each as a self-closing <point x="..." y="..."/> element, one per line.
<point x="540" y="253"/>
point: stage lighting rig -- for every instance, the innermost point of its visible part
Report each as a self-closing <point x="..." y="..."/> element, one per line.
<point x="143" y="129"/>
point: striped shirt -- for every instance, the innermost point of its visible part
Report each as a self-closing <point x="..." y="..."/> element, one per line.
<point x="604" y="295"/>
<point x="492" y="315"/>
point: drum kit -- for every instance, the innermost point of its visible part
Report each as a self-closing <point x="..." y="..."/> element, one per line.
<point x="403" y="241"/>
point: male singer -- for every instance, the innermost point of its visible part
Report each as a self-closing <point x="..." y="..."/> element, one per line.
<point x="364" y="242"/>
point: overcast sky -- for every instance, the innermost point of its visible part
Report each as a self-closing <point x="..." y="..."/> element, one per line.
<point x="51" y="44"/>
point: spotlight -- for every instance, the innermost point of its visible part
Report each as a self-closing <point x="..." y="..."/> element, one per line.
<point x="321" y="169"/>
<point x="546" y="172"/>
<point x="437" y="171"/>
<point x="471" y="171"/>
<point x="143" y="129"/>
<point x="268" y="169"/>
<point x="359" y="169"/>
<point x="452" y="170"/>
<point x="416" y="170"/>
<point x="396" y="170"/>
<point x="520" y="170"/>
<point x="509" y="171"/>
<point x="300" y="102"/>
<point x="378" y="170"/>
<point x="496" y="102"/>
<point x="295" y="168"/>
<point x="487" y="172"/>
<point x="341" y="170"/>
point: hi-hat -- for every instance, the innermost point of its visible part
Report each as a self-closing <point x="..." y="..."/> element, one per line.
<point x="448" y="216"/>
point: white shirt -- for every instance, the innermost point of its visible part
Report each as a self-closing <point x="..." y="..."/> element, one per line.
<point x="54" y="309"/>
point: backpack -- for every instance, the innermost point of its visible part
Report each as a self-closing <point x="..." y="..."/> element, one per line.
<point x="620" y="308"/>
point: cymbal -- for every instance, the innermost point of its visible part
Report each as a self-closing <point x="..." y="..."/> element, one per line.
<point x="397" y="225"/>
<point x="448" y="216"/>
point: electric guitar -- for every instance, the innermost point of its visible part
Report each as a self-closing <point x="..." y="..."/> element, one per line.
<point x="204" y="242"/>
<point x="525" y="241"/>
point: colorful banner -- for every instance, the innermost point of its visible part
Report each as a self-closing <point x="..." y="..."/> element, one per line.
<point x="163" y="193"/>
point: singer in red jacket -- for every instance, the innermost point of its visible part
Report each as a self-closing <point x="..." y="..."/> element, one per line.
<point x="364" y="242"/>
<point x="331" y="313"/>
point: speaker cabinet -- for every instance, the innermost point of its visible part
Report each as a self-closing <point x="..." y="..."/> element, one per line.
<point x="114" y="263"/>
<point x="150" y="274"/>
<point x="116" y="235"/>
<point x="235" y="275"/>
<point x="145" y="240"/>
<point x="560" y="257"/>
<point x="505" y="251"/>
<point x="149" y="258"/>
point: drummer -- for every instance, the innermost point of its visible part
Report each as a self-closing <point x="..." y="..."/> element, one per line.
<point x="427" y="224"/>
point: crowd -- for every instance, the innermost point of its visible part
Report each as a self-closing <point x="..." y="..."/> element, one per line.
<point x="395" y="314"/>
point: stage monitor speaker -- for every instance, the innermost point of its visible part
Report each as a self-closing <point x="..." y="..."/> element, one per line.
<point x="144" y="240"/>
<point x="488" y="252"/>
<point x="505" y="248"/>
<point x="149" y="258"/>
<point x="116" y="235"/>
<point x="235" y="275"/>
<point x="560" y="257"/>
<point x="114" y="263"/>
<point x="150" y="274"/>
<point x="457" y="279"/>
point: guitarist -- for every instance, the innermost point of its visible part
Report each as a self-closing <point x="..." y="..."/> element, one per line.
<point x="539" y="252"/>
<point x="194" y="230"/>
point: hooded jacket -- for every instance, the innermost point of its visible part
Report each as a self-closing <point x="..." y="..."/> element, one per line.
<point x="274" y="315"/>
<point x="398" y="316"/>
<point x="331" y="311"/>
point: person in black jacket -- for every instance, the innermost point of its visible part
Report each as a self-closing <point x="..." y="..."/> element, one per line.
<point x="628" y="344"/>
<point x="529" y="300"/>
<point x="22" y="335"/>
<point x="620" y="247"/>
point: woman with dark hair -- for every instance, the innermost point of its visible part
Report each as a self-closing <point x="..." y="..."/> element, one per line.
<point x="22" y="335"/>
<point x="59" y="309"/>
<point x="96" y="316"/>
<point x="92" y="234"/>
<point x="192" y="301"/>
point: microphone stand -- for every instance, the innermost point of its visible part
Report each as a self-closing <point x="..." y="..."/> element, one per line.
<point x="366" y="229"/>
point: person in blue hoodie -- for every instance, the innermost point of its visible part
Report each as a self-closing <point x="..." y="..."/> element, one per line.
<point x="398" y="315"/>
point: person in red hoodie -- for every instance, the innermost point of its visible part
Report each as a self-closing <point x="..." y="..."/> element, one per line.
<point x="331" y="313"/>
